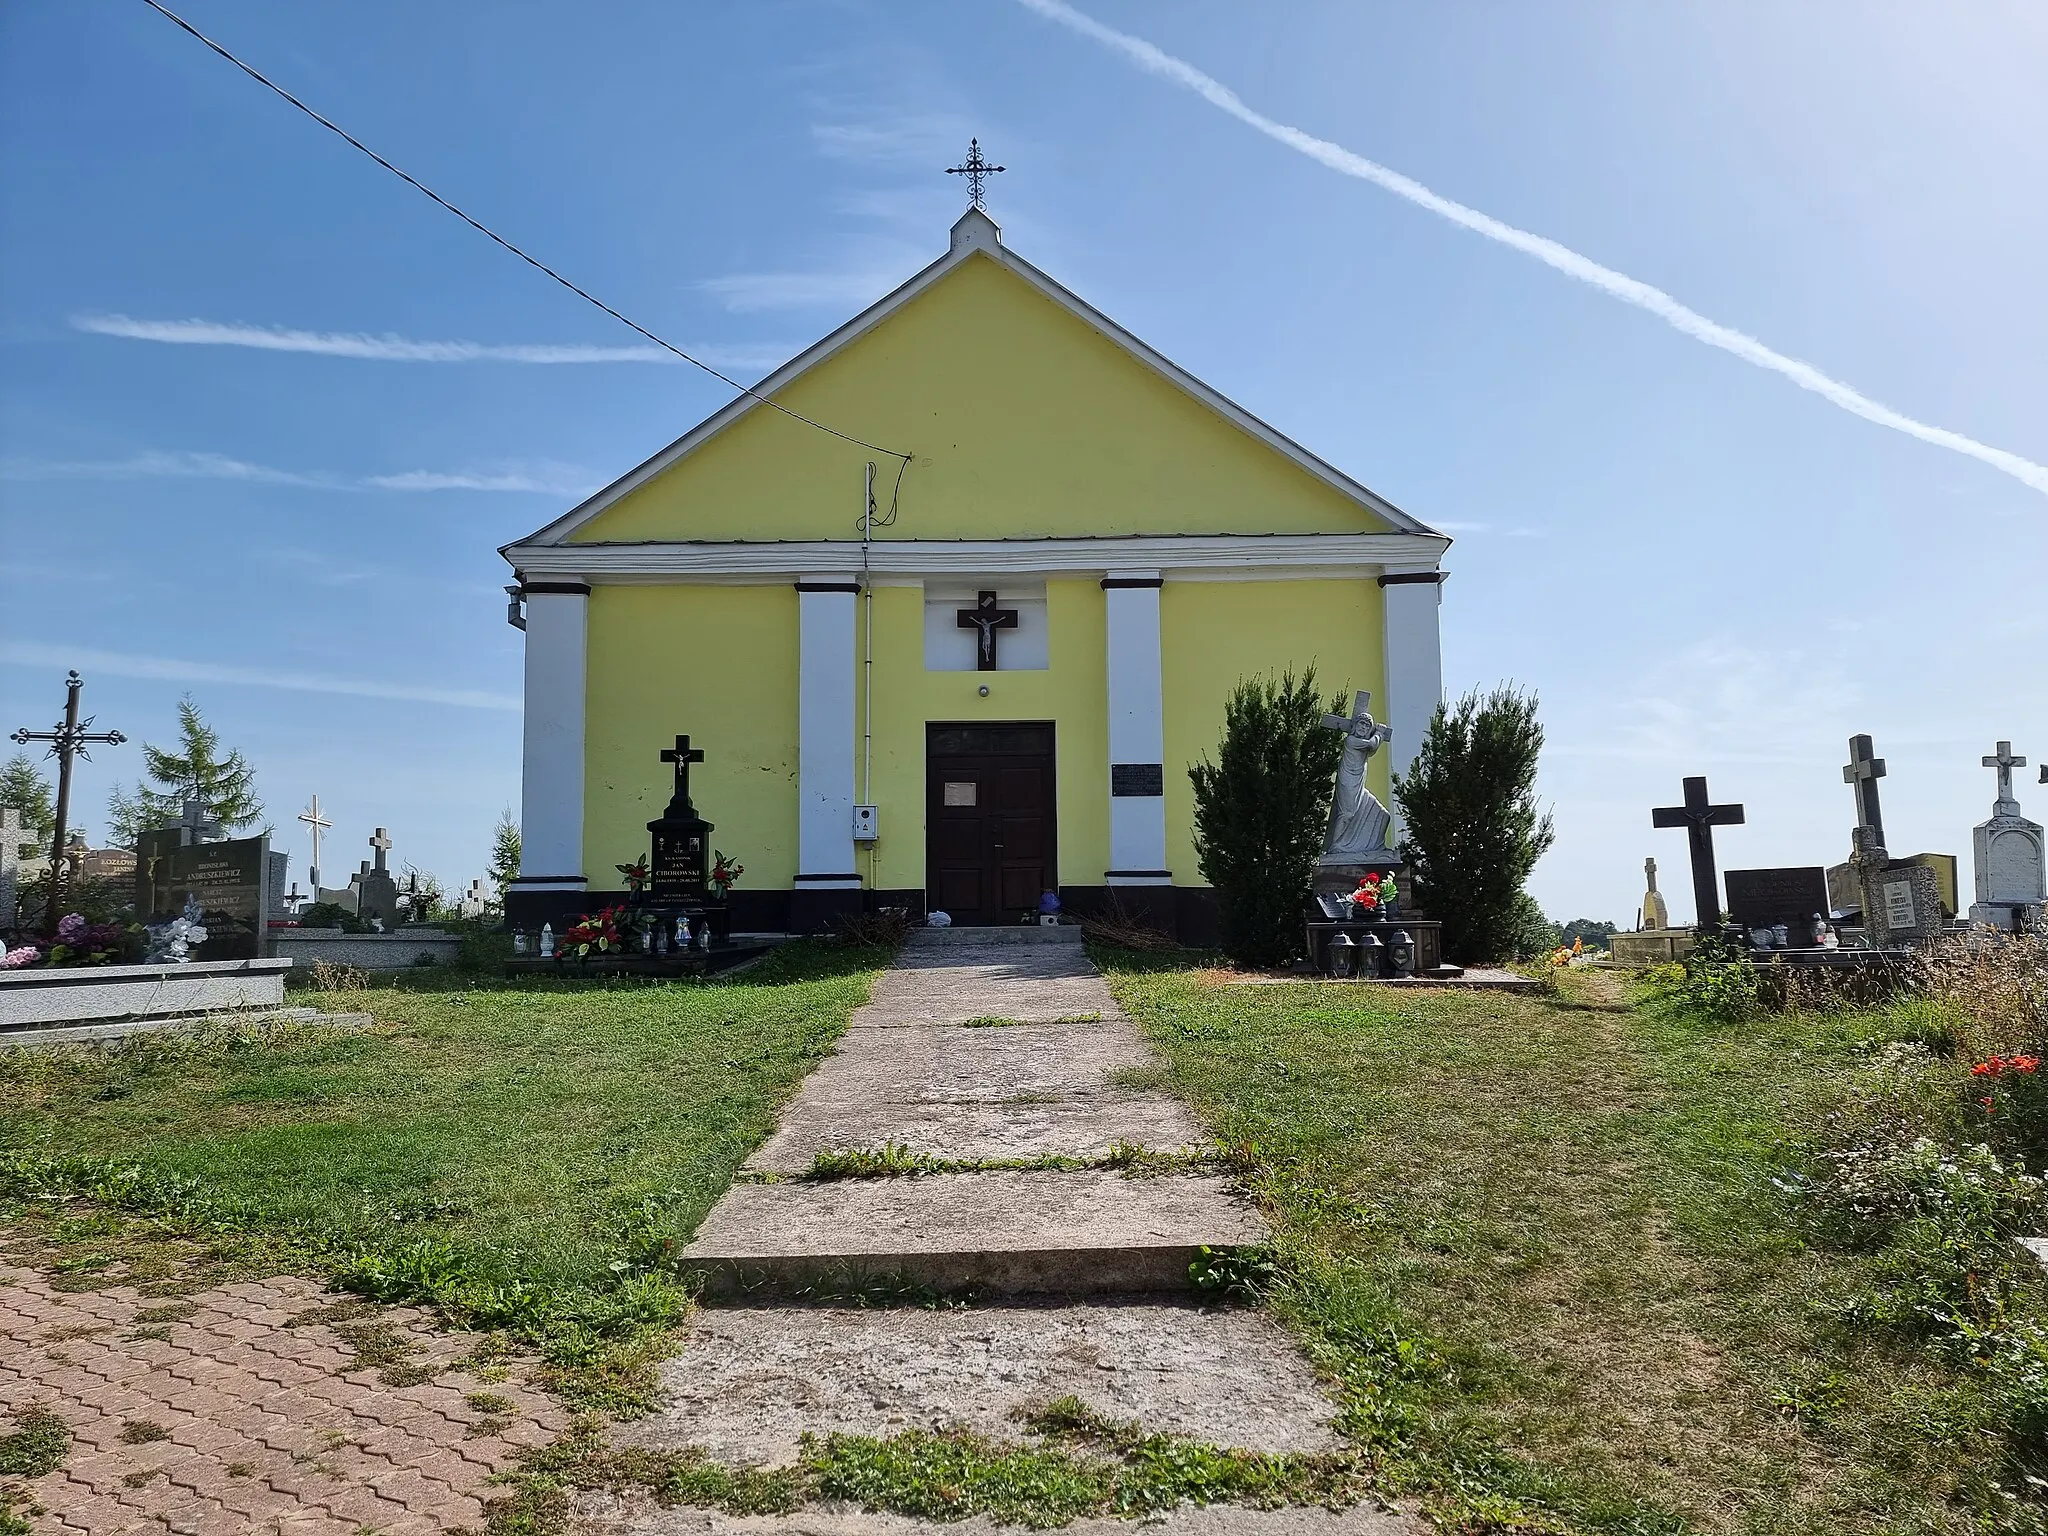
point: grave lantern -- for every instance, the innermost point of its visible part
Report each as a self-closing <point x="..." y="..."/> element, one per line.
<point x="1372" y="956"/>
<point x="1343" y="955"/>
<point x="1401" y="953"/>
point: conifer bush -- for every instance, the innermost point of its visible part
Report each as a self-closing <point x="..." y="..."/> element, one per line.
<point x="1261" y="811"/>
<point x="1468" y="802"/>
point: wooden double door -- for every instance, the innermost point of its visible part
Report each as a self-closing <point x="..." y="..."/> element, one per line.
<point x="989" y="833"/>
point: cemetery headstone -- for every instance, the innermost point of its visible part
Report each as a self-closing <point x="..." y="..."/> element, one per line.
<point x="1762" y="900"/>
<point x="11" y="835"/>
<point x="679" y="871"/>
<point x="1901" y="902"/>
<point x="376" y="891"/>
<point x="229" y="880"/>
<point x="1652" y="913"/>
<point x="276" y="876"/>
<point x="2012" y="872"/>
<point x="472" y="903"/>
<point x="1699" y="820"/>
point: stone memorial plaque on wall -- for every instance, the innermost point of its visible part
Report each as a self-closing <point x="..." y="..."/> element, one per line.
<point x="1763" y="898"/>
<point x="1899" y="910"/>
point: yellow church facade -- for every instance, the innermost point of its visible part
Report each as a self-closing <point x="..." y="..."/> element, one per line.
<point x="958" y="678"/>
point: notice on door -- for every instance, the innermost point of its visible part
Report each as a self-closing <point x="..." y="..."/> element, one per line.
<point x="958" y="793"/>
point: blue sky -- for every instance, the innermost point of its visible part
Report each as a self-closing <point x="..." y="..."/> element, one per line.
<point x="1699" y="566"/>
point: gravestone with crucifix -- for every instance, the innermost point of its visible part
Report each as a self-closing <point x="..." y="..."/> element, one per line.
<point x="986" y="618"/>
<point x="1699" y="818"/>
<point x="2012" y="863"/>
<point x="679" y="872"/>
<point x="376" y="890"/>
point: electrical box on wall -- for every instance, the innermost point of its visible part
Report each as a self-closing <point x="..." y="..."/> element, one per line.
<point x="864" y="824"/>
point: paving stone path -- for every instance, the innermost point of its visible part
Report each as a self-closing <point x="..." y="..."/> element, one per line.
<point x="981" y="1046"/>
<point x="242" y="1416"/>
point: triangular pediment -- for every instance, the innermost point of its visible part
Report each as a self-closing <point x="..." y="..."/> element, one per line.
<point x="1027" y="414"/>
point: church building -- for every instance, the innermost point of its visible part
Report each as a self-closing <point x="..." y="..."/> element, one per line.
<point x="957" y="682"/>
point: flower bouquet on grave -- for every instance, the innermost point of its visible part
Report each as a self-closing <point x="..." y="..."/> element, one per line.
<point x="81" y="943"/>
<point x="596" y="933"/>
<point x="725" y="873"/>
<point x="1370" y="900"/>
<point x="636" y="875"/>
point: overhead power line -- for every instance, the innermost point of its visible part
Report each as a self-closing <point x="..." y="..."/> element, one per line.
<point x="483" y="229"/>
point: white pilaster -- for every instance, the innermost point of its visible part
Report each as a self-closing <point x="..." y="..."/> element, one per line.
<point x="828" y="661"/>
<point x="551" y="778"/>
<point x="1137" y="737"/>
<point x="1415" y="662"/>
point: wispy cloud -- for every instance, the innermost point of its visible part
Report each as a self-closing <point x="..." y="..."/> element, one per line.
<point x="546" y="480"/>
<point x="169" y="669"/>
<point x="745" y="292"/>
<point x="1617" y="284"/>
<point x="390" y="348"/>
<point x="917" y="140"/>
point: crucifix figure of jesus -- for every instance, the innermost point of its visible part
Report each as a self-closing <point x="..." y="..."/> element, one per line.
<point x="1699" y="820"/>
<point x="1358" y="822"/>
<point x="988" y="618"/>
<point x="67" y="740"/>
<point x="682" y="755"/>
<point x="2005" y="762"/>
<point x="1864" y="770"/>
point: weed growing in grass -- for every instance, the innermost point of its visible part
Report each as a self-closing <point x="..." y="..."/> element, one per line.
<point x="143" y="1432"/>
<point x="893" y="1161"/>
<point x="38" y="1445"/>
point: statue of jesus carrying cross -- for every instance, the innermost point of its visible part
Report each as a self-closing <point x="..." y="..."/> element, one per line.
<point x="1358" y="822"/>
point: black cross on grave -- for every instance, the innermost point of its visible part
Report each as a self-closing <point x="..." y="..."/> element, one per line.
<point x="1699" y="820"/>
<point x="988" y="618"/>
<point x="682" y="755"/>
<point x="1864" y="770"/>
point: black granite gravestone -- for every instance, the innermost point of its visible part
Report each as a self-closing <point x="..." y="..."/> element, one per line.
<point x="679" y="871"/>
<point x="1763" y="898"/>
<point x="230" y="881"/>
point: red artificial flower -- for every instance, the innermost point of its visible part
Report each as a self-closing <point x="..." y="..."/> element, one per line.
<point x="2024" y="1063"/>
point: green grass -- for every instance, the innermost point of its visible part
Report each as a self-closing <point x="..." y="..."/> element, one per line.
<point x="525" y="1152"/>
<point x="1554" y="1253"/>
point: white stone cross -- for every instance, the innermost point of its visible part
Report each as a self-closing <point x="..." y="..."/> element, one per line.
<point x="317" y="823"/>
<point x="2005" y="762"/>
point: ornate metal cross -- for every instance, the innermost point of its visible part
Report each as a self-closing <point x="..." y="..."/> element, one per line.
<point x="1699" y="820"/>
<point x="381" y="841"/>
<point x="2005" y="762"/>
<point x="317" y="823"/>
<point x="682" y="754"/>
<point x="975" y="170"/>
<point x="67" y="740"/>
<point x="988" y="618"/>
<point x="1864" y="770"/>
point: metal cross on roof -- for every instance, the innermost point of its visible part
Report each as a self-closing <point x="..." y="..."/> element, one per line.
<point x="67" y="740"/>
<point x="976" y="170"/>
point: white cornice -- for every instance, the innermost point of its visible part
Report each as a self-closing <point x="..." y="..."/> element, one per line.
<point x="974" y="235"/>
<point x="1187" y="556"/>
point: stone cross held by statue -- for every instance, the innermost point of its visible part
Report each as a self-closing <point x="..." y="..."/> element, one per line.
<point x="1864" y="770"/>
<point x="2005" y="762"/>
<point x="988" y="618"/>
<point x="68" y="740"/>
<point x="682" y="754"/>
<point x="1699" y="820"/>
<point x="381" y="841"/>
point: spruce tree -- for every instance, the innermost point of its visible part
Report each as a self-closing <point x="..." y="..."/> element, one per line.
<point x="504" y="853"/>
<point x="195" y="769"/>
<point x="24" y="789"/>
<point x="1473" y="833"/>
<point x="1261" y="812"/>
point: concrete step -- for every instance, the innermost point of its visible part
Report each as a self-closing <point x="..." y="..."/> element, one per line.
<point x="1065" y="934"/>
<point x="1088" y="1233"/>
<point x="1009" y="1091"/>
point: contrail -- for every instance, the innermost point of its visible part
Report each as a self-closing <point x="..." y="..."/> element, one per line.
<point x="1563" y="258"/>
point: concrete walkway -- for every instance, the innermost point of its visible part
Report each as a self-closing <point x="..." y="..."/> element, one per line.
<point x="980" y="1047"/>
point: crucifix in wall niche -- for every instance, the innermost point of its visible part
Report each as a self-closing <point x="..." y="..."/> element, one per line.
<point x="986" y="617"/>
